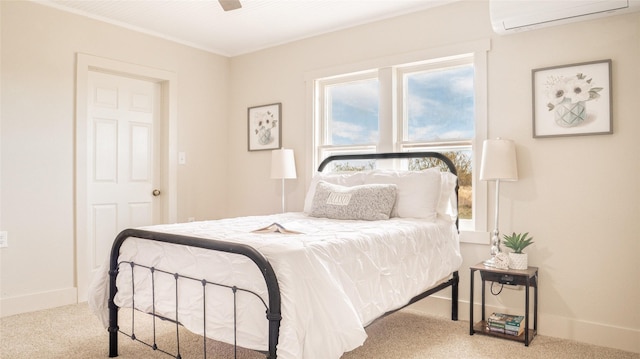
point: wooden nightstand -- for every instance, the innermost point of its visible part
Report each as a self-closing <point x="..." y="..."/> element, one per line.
<point x="527" y="278"/>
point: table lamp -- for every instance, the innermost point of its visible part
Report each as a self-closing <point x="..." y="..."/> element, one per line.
<point x="498" y="164"/>
<point x="283" y="166"/>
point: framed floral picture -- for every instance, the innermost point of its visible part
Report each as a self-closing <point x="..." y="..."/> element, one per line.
<point x="572" y="100"/>
<point x="265" y="127"/>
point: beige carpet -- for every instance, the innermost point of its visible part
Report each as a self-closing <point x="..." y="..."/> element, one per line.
<point x="73" y="332"/>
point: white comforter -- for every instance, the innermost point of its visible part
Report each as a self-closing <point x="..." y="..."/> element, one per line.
<point x="334" y="279"/>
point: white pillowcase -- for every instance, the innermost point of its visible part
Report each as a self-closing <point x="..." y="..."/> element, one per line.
<point x="362" y="202"/>
<point x="448" y="203"/>
<point x="418" y="191"/>
<point x="347" y="179"/>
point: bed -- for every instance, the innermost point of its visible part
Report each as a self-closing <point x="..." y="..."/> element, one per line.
<point x="295" y="285"/>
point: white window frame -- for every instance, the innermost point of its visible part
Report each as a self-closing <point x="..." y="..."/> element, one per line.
<point x="476" y="230"/>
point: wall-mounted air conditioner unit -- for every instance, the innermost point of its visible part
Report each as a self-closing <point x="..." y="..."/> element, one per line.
<point x="509" y="16"/>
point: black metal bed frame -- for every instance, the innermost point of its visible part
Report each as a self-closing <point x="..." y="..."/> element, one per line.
<point x="273" y="308"/>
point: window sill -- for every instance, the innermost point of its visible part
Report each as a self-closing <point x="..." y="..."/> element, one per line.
<point x="474" y="237"/>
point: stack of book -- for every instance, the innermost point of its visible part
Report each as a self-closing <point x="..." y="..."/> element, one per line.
<point x="506" y="324"/>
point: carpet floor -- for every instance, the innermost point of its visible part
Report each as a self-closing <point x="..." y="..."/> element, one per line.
<point x="72" y="332"/>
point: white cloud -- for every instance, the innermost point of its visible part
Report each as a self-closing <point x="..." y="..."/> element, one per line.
<point x="355" y="134"/>
<point x="462" y="85"/>
<point x="417" y="106"/>
<point x="424" y="133"/>
<point x="362" y="95"/>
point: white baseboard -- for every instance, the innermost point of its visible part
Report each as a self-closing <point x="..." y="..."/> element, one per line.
<point x="38" y="301"/>
<point x="548" y="325"/>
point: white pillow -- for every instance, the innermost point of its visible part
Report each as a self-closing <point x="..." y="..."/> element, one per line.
<point x="363" y="202"/>
<point x="347" y="179"/>
<point x="418" y="191"/>
<point x="448" y="204"/>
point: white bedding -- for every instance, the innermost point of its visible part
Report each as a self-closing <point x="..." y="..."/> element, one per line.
<point x="334" y="279"/>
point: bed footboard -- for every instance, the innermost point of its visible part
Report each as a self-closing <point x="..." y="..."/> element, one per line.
<point x="273" y="308"/>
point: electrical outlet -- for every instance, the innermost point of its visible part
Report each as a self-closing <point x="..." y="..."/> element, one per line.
<point x="4" y="239"/>
<point x="191" y="219"/>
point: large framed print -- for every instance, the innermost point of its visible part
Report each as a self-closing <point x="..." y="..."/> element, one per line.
<point x="265" y="127"/>
<point x="572" y="100"/>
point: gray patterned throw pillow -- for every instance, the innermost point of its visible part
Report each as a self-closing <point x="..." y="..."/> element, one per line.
<point x="366" y="202"/>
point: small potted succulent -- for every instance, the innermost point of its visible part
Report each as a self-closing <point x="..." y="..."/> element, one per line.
<point x="518" y="242"/>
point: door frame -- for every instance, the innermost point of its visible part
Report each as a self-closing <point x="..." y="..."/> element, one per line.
<point x="168" y="149"/>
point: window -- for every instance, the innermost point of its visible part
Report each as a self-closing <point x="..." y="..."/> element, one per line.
<point x="352" y="112"/>
<point x="423" y="101"/>
<point x="438" y="101"/>
<point x="349" y="113"/>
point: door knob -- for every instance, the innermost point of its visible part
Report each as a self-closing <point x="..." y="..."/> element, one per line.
<point x="156" y="192"/>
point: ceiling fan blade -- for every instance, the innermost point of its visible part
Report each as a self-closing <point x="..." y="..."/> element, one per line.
<point x="228" y="5"/>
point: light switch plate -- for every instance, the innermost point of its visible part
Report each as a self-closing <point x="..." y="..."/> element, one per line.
<point x="4" y="239"/>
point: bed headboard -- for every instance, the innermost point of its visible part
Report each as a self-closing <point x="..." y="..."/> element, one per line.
<point x="396" y="155"/>
<point x="390" y="155"/>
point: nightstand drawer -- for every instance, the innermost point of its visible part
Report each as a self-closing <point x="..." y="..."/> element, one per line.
<point x="506" y="278"/>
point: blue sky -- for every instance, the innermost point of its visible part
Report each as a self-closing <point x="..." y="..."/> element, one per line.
<point x="440" y="106"/>
<point x="355" y="112"/>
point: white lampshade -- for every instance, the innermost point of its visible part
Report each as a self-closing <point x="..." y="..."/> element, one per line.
<point x="283" y="164"/>
<point x="499" y="160"/>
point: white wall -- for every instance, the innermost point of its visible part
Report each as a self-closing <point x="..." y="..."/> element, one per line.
<point x="581" y="208"/>
<point x="39" y="47"/>
<point x="578" y="196"/>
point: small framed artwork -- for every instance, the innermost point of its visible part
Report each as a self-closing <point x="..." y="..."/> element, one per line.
<point x="265" y="127"/>
<point x="572" y="100"/>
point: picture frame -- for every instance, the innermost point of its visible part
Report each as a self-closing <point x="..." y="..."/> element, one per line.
<point x="572" y="100"/>
<point x="264" y="127"/>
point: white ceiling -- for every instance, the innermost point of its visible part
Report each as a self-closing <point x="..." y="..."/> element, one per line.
<point x="257" y="25"/>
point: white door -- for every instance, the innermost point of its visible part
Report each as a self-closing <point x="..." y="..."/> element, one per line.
<point x="123" y="167"/>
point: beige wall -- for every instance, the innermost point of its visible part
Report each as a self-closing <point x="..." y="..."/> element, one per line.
<point x="39" y="47"/>
<point x="582" y="210"/>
